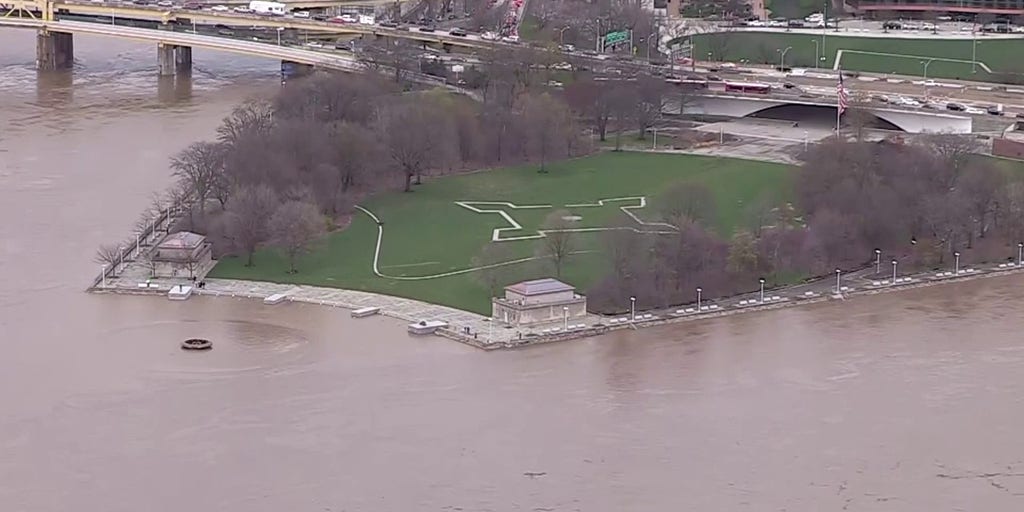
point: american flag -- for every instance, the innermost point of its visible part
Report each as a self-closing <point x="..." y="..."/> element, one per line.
<point x="844" y="98"/>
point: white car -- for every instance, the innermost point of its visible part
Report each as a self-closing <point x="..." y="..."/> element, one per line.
<point x="219" y="8"/>
<point x="300" y="14"/>
<point x="974" y="110"/>
<point x="241" y="9"/>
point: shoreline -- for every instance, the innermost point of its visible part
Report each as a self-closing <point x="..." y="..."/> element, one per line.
<point x="479" y="332"/>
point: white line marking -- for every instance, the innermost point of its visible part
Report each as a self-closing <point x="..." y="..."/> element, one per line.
<point x="839" y="56"/>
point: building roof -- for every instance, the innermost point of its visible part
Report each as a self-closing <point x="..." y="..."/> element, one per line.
<point x="540" y="287"/>
<point x="182" y="240"/>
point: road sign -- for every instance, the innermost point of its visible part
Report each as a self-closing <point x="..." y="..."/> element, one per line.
<point x="613" y="38"/>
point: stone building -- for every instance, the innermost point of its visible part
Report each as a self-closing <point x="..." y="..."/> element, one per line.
<point x="538" y="301"/>
<point x="182" y="254"/>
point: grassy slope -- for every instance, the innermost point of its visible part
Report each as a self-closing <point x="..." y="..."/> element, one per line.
<point x="999" y="54"/>
<point x="426" y="233"/>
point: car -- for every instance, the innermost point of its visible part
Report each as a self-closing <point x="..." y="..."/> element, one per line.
<point x="349" y="18"/>
<point x="995" y="110"/>
<point x="930" y="83"/>
<point x="140" y="2"/>
<point x="881" y="98"/>
<point x="973" y="110"/>
<point x="457" y="32"/>
<point x="428" y="28"/>
<point x="338" y="19"/>
<point x="892" y="25"/>
<point x="320" y="17"/>
<point x="241" y="9"/>
<point x="562" y="66"/>
<point x="956" y="107"/>
<point x="192" y="6"/>
<point x="388" y="24"/>
<point x="165" y="3"/>
<point x="1020" y="115"/>
<point x="315" y="44"/>
<point x="218" y="8"/>
<point x="567" y="47"/>
<point x="300" y="14"/>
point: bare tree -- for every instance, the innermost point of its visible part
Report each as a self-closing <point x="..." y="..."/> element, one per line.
<point x="199" y="168"/>
<point x="248" y="216"/>
<point x="687" y="202"/>
<point x="559" y="239"/>
<point x="492" y="273"/>
<point x="417" y="137"/>
<point x="547" y="127"/>
<point x="251" y="118"/>
<point x="108" y="254"/>
<point x="651" y="94"/>
<point x="294" y="228"/>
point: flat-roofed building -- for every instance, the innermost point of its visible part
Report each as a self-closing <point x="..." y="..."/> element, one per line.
<point x="538" y="301"/>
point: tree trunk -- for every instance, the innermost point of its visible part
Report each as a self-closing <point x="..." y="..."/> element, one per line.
<point x="248" y="261"/>
<point x="408" y="182"/>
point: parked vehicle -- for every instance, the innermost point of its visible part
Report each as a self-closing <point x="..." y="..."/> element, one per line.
<point x="996" y="110"/>
<point x="217" y="8"/>
<point x="268" y="8"/>
<point x="300" y="14"/>
<point x="956" y="107"/>
<point x="457" y="32"/>
<point x="388" y="24"/>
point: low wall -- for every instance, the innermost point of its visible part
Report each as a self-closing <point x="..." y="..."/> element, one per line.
<point x="1008" y="148"/>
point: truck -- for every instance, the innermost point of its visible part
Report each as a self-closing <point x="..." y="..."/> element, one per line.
<point x="269" y="8"/>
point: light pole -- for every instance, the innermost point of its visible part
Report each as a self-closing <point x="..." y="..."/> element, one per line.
<point x="1020" y="253"/>
<point x="974" y="51"/>
<point x="878" y="261"/>
<point x="956" y="265"/>
<point x="816" y="48"/>
<point x="838" y="273"/>
<point x="925" y="76"/>
<point x="565" y="318"/>
<point x="490" y="322"/>
<point x="894" y="271"/>
<point x="632" y="309"/>
<point x="762" y="289"/>
<point x="782" y="60"/>
<point x="279" y="30"/>
<point x="103" y="275"/>
<point x="698" y="298"/>
<point x="561" y="33"/>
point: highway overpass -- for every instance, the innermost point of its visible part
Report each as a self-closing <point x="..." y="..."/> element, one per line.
<point x="737" y="106"/>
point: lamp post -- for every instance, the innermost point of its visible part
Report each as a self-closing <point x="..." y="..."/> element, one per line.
<point x="974" y="52"/>
<point x="816" y="48"/>
<point x="762" y="289"/>
<point x="925" y="76"/>
<point x="894" y="262"/>
<point x="565" y="318"/>
<point x="782" y="60"/>
<point x="279" y="30"/>
<point x="698" y="298"/>
<point x="103" y="275"/>
<point x="878" y="261"/>
<point x="490" y="322"/>
<point x="561" y="33"/>
<point x="632" y="309"/>
<point x="838" y="273"/>
<point x="956" y="265"/>
<point x="1020" y="253"/>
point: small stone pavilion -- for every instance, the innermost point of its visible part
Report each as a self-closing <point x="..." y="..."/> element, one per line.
<point x="182" y="254"/>
<point x="538" y="301"/>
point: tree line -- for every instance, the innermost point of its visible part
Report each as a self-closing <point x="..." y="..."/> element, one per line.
<point x="918" y="204"/>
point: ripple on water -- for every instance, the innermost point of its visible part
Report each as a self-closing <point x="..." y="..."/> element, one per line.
<point x="239" y="347"/>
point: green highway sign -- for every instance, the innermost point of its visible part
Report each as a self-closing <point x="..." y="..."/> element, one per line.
<point x="616" y="37"/>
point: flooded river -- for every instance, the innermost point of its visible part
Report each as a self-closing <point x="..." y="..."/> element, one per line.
<point x="906" y="401"/>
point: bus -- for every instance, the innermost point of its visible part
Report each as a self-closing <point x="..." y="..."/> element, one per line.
<point x="689" y="84"/>
<point x="748" y="87"/>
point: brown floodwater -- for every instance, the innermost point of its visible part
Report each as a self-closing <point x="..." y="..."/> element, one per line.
<point x="907" y="401"/>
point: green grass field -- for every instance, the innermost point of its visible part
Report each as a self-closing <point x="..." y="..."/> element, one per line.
<point x="427" y="233"/>
<point x="1000" y="55"/>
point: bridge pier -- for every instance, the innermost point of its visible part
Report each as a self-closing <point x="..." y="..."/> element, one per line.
<point x="54" y="51"/>
<point x="165" y="59"/>
<point x="291" y="70"/>
<point x="183" y="60"/>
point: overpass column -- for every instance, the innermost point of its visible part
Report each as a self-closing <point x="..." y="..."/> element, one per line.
<point x="291" y="69"/>
<point x="165" y="59"/>
<point x="183" y="59"/>
<point x="54" y="51"/>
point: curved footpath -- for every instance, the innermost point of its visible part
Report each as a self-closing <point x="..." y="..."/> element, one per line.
<point x="478" y="331"/>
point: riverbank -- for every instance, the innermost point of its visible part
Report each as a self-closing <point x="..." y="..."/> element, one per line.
<point x="480" y="332"/>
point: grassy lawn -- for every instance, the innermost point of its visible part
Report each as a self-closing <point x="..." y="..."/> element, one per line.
<point x="427" y="233"/>
<point x="761" y="47"/>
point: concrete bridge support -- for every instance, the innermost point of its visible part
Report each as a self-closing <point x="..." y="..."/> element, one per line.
<point x="165" y="59"/>
<point x="54" y="51"/>
<point x="183" y="60"/>
<point x="290" y="70"/>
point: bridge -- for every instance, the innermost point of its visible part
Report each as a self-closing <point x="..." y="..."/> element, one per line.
<point x="55" y="47"/>
<point x="911" y="121"/>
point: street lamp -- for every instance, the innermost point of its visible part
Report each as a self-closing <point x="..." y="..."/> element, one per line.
<point x="838" y="273"/>
<point x="1020" y="253"/>
<point x="816" y="47"/>
<point x="565" y="318"/>
<point x="762" y="289"/>
<point x="925" y="76"/>
<point x="279" y="30"/>
<point x="956" y="266"/>
<point x="561" y="32"/>
<point x="974" y="52"/>
<point x="782" y="60"/>
<point x="894" y="271"/>
<point x="103" y="275"/>
<point x="698" y="298"/>
<point x="878" y="261"/>
<point x="632" y="309"/>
